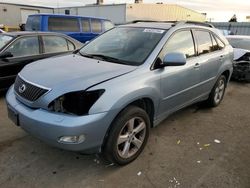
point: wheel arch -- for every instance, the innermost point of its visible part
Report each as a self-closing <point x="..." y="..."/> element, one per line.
<point x="146" y="103"/>
<point x="226" y="73"/>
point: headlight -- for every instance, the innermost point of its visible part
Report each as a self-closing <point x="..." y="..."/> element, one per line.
<point x="77" y="103"/>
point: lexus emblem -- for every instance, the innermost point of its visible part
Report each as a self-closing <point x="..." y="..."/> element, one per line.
<point x="22" y="88"/>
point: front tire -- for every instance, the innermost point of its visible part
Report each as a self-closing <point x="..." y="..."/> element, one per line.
<point x="128" y="136"/>
<point x="218" y="91"/>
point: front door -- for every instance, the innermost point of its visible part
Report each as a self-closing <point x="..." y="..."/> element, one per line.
<point x="179" y="84"/>
<point x="24" y="51"/>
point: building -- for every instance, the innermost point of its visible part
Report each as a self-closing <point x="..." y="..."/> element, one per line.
<point x="248" y="18"/>
<point x="235" y="28"/>
<point x="13" y="15"/>
<point x="122" y="13"/>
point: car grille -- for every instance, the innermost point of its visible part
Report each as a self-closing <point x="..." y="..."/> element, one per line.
<point x="27" y="90"/>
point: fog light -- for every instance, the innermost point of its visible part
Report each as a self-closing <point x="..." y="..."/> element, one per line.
<point x="72" y="139"/>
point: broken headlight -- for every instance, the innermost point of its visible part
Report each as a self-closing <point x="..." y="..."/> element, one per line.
<point x="77" y="103"/>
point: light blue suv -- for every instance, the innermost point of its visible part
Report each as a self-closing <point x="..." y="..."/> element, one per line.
<point x="105" y="97"/>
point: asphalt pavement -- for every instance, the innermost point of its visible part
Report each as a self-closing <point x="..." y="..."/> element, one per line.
<point x="195" y="147"/>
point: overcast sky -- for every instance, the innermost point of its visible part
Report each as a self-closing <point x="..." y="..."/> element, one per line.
<point x="218" y="10"/>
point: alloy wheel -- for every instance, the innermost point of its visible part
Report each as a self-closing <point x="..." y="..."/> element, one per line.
<point x="131" y="137"/>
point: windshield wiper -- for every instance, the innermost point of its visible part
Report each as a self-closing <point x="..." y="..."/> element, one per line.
<point x="104" y="57"/>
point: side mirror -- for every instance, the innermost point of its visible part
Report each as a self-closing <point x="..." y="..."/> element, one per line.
<point x="6" y="55"/>
<point x="174" y="59"/>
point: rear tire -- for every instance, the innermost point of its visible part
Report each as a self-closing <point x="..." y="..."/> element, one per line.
<point x="128" y="136"/>
<point x="217" y="93"/>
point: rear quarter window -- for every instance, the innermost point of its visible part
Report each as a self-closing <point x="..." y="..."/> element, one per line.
<point x="107" y="25"/>
<point x="63" y="24"/>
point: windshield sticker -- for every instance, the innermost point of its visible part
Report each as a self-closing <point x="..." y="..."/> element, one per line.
<point x="159" y="31"/>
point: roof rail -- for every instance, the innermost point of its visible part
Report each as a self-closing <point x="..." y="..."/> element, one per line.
<point x="205" y="24"/>
<point x="175" y="23"/>
<point x="136" y="21"/>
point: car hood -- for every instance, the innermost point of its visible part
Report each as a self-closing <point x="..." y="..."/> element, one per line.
<point x="72" y="72"/>
<point x="238" y="53"/>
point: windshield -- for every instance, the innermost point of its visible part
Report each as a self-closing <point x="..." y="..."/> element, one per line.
<point x="124" y="45"/>
<point x="4" y="39"/>
<point x="240" y="43"/>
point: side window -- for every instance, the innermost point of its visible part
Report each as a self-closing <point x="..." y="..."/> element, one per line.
<point x="63" y="24"/>
<point x="71" y="46"/>
<point x="220" y="43"/>
<point x="54" y="44"/>
<point x="204" y="42"/>
<point x="96" y="26"/>
<point x="180" y="42"/>
<point x="85" y="25"/>
<point x="107" y="25"/>
<point x="33" y="23"/>
<point x="26" y="46"/>
<point x="215" y="46"/>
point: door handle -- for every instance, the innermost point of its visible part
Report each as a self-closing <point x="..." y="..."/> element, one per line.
<point x="197" y="65"/>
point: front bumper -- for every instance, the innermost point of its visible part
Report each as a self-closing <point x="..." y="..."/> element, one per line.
<point x="241" y="71"/>
<point x="50" y="126"/>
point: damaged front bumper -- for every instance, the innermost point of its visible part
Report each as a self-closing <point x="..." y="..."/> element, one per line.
<point x="241" y="71"/>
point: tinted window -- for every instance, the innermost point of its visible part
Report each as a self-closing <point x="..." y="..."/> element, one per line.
<point x="220" y="43"/>
<point x="215" y="44"/>
<point x="204" y="42"/>
<point x="24" y="47"/>
<point x="107" y="25"/>
<point x="85" y="25"/>
<point x="53" y="44"/>
<point x="63" y="24"/>
<point x="33" y="23"/>
<point x="96" y="26"/>
<point x="180" y="42"/>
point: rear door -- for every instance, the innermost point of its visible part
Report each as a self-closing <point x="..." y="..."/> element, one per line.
<point x="211" y="57"/>
<point x="24" y="51"/>
<point x="179" y="84"/>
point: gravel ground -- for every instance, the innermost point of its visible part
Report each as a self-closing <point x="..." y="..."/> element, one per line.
<point x="178" y="153"/>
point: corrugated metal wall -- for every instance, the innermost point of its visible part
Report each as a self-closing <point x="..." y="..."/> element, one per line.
<point x="122" y="13"/>
<point x="164" y="12"/>
<point x="237" y="28"/>
<point x="115" y="13"/>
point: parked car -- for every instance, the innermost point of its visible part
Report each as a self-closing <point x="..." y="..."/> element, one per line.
<point x="80" y="28"/>
<point x="2" y="31"/>
<point x="107" y="97"/>
<point x="241" y="45"/>
<point x="17" y="49"/>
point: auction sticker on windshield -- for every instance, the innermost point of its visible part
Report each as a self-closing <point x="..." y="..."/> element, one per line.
<point x="160" y="31"/>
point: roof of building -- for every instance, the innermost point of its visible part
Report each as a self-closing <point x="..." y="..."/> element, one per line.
<point x="70" y="16"/>
<point x="26" y="5"/>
